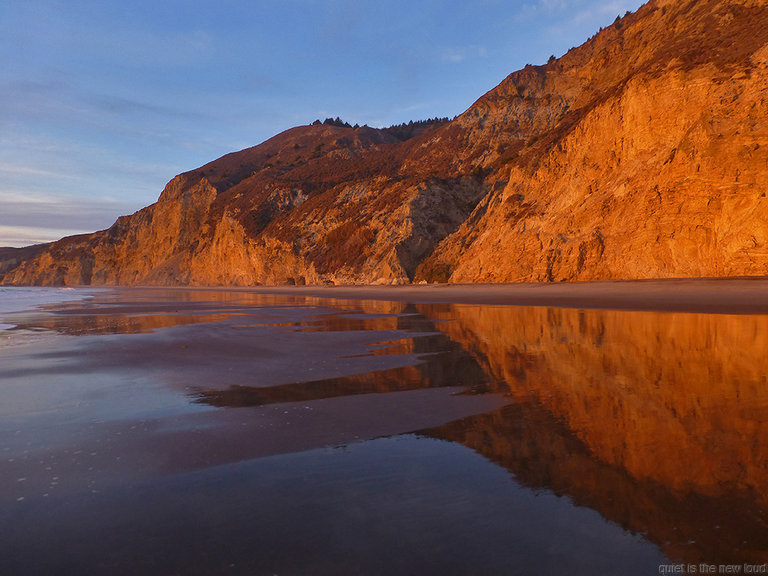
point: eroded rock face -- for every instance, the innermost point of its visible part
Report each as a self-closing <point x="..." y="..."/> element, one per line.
<point x="659" y="168"/>
<point x="642" y="153"/>
<point x="316" y="204"/>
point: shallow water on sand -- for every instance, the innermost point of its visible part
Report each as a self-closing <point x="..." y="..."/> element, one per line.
<point x="152" y="431"/>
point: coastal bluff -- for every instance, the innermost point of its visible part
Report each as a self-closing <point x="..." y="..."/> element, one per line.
<point x="641" y="154"/>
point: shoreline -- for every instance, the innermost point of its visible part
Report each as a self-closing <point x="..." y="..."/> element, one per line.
<point x="139" y="397"/>
<point x="738" y="295"/>
<point x="698" y="295"/>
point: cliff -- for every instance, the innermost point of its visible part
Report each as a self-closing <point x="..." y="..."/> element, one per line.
<point x="658" y="169"/>
<point x="315" y="204"/>
<point x="643" y="153"/>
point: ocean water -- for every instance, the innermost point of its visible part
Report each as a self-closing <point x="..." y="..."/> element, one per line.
<point x="24" y="299"/>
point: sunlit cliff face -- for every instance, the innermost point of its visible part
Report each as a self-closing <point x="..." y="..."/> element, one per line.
<point x="657" y="420"/>
<point x="640" y="154"/>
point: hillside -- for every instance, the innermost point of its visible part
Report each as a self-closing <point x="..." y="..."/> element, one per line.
<point x="659" y="169"/>
<point x="642" y="153"/>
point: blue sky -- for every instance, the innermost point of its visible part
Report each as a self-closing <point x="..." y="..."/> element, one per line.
<point x="103" y="102"/>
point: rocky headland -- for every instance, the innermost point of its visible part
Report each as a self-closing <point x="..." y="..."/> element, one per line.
<point x="642" y="153"/>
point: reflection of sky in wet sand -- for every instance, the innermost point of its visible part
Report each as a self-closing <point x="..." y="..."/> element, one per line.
<point x="201" y="421"/>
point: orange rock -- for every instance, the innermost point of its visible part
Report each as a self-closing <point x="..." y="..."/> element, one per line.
<point x="643" y="153"/>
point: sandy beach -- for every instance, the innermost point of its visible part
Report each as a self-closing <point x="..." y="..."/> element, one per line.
<point x="710" y="295"/>
<point x="342" y="416"/>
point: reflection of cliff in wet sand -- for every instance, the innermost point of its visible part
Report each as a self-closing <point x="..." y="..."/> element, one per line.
<point x="445" y="364"/>
<point x="236" y="341"/>
<point x="658" y="421"/>
<point x="310" y="373"/>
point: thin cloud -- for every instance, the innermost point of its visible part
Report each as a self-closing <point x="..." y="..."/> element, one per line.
<point x="59" y="202"/>
<point x="35" y="100"/>
<point x="34" y="218"/>
<point x="18" y="236"/>
<point x="26" y="170"/>
<point x="122" y="106"/>
<point x="458" y="55"/>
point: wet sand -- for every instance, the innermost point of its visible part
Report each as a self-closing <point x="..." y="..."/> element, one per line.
<point x="337" y="375"/>
<point x="710" y="295"/>
<point x="111" y="399"/>
<point x="313" y="429"/>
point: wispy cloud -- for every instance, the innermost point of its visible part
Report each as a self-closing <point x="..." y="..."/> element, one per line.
<point x="28" y="218"/>
<point x="22" y="199"/>
<point x="458" y="54"/>
<point x="123" y="106"/>
<point x="29" y="170"/>
<point x="18" y="236"/>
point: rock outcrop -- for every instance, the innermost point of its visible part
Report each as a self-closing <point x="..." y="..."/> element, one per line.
<point x="315" y="204"/>
<point x="659" y="167"/>
<point x="643" y="153"/>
